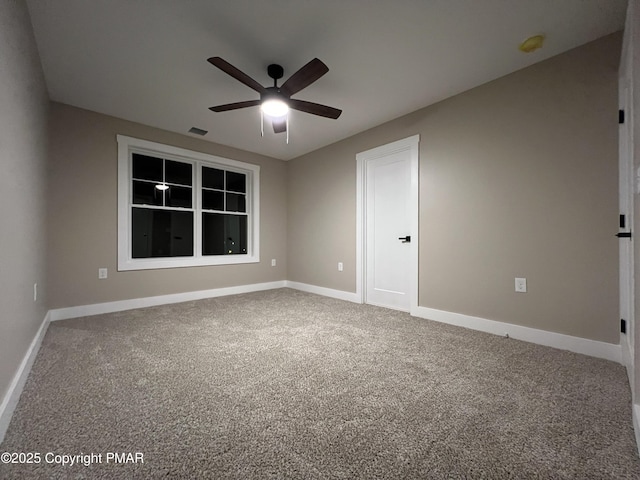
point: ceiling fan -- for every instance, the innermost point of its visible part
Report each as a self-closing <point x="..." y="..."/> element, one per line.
<point x="276" y="101"/>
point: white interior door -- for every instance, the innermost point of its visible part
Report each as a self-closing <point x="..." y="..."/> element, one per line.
<point x="626" y="190"/>
<point x="390" y="224"/>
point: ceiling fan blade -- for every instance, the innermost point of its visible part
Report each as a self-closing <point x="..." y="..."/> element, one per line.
<point x="229" y="69"/>
<point x="304" y="77"/>
<point x="279" y="125"/>
<point x="234" y="106"/>
<point x="314" y="108"/>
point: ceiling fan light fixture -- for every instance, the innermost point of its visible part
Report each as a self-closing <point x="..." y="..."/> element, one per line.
<point x="275" y="102"/>
<point x="275" y="108"/>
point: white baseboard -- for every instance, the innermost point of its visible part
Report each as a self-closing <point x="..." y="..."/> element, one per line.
<point x="121" y="305"/>
<point x="636" y="424"/>
<point x="593" y="348"/>
<point x="326" y="292"/>
<point x="627" y="358"/>
<point x="14" y="391"/>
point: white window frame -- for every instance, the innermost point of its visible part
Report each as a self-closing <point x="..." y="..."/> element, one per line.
<point x="129" y="145"/>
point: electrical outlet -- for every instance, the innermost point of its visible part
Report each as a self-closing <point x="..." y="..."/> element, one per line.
<point x="521" y="285"/>
<point x="340" y="267"/>
<point x="273" y="262"/>
<point x="102" y="273"/>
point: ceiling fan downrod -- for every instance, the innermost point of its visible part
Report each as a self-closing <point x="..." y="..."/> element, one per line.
<point x="276" y="72"/>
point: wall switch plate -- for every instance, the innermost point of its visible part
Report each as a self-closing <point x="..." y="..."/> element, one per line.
<point x="521" y="285"/>
<point x="340" y="267"/>
<point x="35" y="292"/>
<point x="102" y="273"/>
<point x="273" y="262"/>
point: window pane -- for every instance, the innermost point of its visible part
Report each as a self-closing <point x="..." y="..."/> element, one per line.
<point x="236" y="182"/>
<point x="212" y="200"/>
<point x="146" y="193"/>
<point x="147" y="168"/>
<point x="178" y="197"/>
<point x="212" y="178"/>
<point x="178" y="172"/>
<point x="236" y="203"/>
<point x="161" y="233"/>
<point x="224" y="234"/>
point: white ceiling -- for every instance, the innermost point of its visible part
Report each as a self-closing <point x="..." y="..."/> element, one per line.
<point x="145" y="60"/>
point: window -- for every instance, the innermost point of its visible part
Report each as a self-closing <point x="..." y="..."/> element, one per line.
<point x="223" y="233"/>
<point x="178" y="208"/>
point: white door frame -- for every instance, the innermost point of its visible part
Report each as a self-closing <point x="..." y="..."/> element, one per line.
<point x="629" y="188"/>
<point x="626" y="187"/>
<point x="410" y="144"/>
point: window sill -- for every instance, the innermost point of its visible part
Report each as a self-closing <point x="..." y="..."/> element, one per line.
<point x="161" y="263"/>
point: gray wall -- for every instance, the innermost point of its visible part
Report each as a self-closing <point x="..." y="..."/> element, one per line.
<point x="23" y="153"/>
<point x="518" y="177"/>
<point x="83" y="220"/>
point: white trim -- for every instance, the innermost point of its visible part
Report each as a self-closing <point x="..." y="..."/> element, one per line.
<point x="14" y="391"/>
<point x="125" y="261"/>
<point x="626" y="179"/>
<point x="411" y="144"/>
<point x="635" y="413"/>
<point x="593" y="348"/>
<point x="627" y="187"/>
<point x="325" y="292"/>
<point x="360" y="231"/>
<point x="627" y="357"/>
<point x="121" y="305"/>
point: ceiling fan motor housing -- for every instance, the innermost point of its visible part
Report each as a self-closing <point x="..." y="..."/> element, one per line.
<point x="272" y="93"/>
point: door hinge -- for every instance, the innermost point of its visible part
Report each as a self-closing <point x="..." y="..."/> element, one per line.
<point x="620" y="116"/>
<point x="623" y="325"/>
<point x="623" y="221"/>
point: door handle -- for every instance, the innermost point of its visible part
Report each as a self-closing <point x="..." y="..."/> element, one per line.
<point x="623" y="235"/>
<point x="406" y="239"/>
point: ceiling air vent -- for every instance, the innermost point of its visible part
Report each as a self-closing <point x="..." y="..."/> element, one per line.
<point x="198" y="131"/>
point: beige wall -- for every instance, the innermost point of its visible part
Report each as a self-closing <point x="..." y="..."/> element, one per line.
<point x="518" y="177"/>
<point x="321" y="212"/>
<point x="23" y="143"/>
<point x="83" y="215"/>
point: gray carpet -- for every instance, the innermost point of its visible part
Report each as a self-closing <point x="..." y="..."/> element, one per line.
<point x="284" y="384"/>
